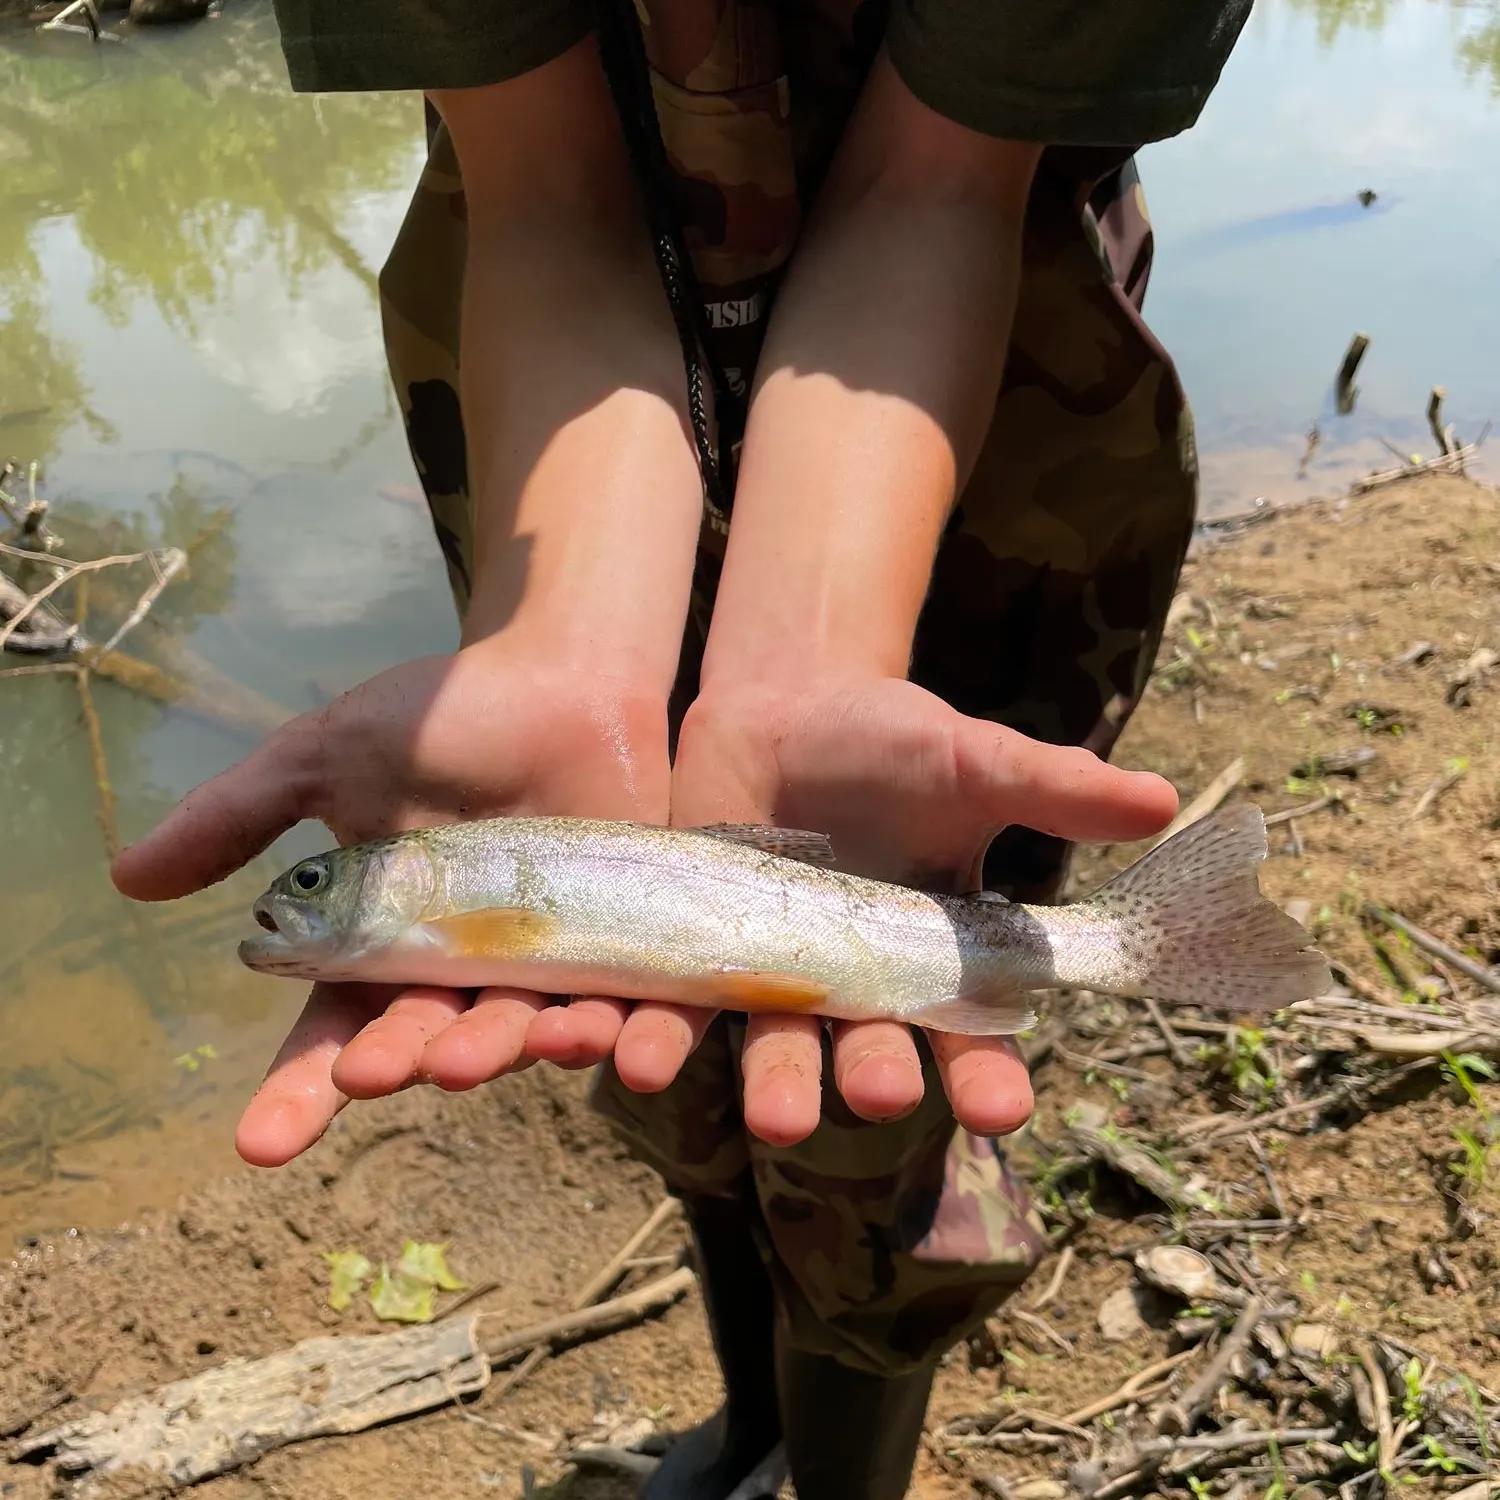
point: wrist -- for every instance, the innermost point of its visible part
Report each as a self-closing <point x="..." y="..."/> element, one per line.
<point x="797" y="651"/>
<point x="551" y="638"/>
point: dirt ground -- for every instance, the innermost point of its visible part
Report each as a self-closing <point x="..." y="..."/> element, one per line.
<point x="1292" y="641"/>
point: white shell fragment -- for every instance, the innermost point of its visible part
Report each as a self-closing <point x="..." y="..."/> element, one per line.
<point x="1039" y="1489"/>
<point x="1175" y="1268"/>
<point x="1120" y="1315"/>
<point x="1314" y="1340"/>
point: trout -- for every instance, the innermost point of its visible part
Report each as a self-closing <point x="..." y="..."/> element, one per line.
<point x="755" y="919"/>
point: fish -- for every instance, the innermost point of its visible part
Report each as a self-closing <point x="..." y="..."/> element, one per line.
<point x="754" y="919"/>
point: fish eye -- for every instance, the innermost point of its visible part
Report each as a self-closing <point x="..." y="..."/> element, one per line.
<point x="311" y="876"/>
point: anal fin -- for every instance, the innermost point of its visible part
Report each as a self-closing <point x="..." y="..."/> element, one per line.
<point x="986" y="1013"/>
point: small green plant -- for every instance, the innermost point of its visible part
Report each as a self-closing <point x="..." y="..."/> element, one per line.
<point x="1276" y="1490"/>
<point x="1461" y="1070"/>
<point x="1361" y="1455"/>
<point x="1481" y="1420"/>
<point x="1438" y="1456"/>
<point x="1242" y="1059"/>
<point x="1473" y="1165"/>
<point x="1413" y="1407"/>
<point x="1197" y="1486"/>
<point x="1309" y="1283"/>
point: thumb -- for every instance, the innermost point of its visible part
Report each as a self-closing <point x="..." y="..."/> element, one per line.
<point x="224" y="823"/>
<point x="1061" y="790"/>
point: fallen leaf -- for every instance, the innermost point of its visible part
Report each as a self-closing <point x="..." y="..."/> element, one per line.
<point x="347" y="1270"/>
<point x="426" y="1261"/>
<point x="398" y="1297"/>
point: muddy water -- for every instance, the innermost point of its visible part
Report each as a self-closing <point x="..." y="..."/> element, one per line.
<point x="190" y="349"/>
<point x="188" y="328"/>
<point x="1268" y="263"/>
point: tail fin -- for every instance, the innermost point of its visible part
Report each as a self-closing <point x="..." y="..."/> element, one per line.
<point x="1193" y="926"/>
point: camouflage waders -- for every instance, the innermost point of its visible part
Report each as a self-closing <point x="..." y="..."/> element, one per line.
<point x="886" y="1243"/>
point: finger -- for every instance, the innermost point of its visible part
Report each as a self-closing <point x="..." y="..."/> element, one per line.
<point x="1060" y="789"/>
<point x="387" y="1055"/>
<point x="577" y="1035"/>
<point x="876" y="1068"/>
<point x="654" y="1043"/>
<point x="487" y="1041"/>
<point x="986" y="1081"/>
<point x="294" y="1105"/>
<point x="225" y="822"/>
<point x="783" y="1067"/>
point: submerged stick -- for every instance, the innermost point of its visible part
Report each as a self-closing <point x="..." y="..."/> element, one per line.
<point x="107" y="820"/>
<point x="173" y="560"/>
<point x="1343" y="386"/>
<point x="69" y="572"/>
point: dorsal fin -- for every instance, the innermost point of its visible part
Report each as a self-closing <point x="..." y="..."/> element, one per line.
<point x="789" y="843"/>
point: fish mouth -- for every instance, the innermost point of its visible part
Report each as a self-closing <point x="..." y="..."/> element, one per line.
<point x="297" y="939"/>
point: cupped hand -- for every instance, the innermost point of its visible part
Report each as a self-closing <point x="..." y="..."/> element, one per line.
<point x="910" y="790"/>
<point x="484" y="732"/>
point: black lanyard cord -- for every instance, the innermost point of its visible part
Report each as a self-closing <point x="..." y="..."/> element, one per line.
<point x="622" y="50"/>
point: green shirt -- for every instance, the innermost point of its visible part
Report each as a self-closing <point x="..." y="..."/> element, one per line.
<point x="1058" y="72"/>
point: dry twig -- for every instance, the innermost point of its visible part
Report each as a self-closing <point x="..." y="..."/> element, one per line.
<point x="1479" y="973"/>
<point x="1206" y="800"/>
<point x="1054" y="1286"/>
<point x="660" y="1217"/>
<point x="1179" y="1417"/>
<point x="68" y="572"/>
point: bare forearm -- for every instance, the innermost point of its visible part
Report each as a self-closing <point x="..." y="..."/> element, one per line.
<point x="878" y="380"/>
<point x="587" y="498"/>
<point x="585" y="488"/>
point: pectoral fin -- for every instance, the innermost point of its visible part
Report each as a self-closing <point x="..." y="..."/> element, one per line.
<point x="499" y="932"/>
<point x="789" y="843"/>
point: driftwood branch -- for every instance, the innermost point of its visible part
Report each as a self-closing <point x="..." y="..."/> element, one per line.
<point x="229" y="1416"/>
<point x="1444" y="463"/>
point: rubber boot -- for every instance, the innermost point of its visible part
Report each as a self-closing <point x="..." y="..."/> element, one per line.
<point x="849" y="1435"/>
<point x="711" y="1461"/>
